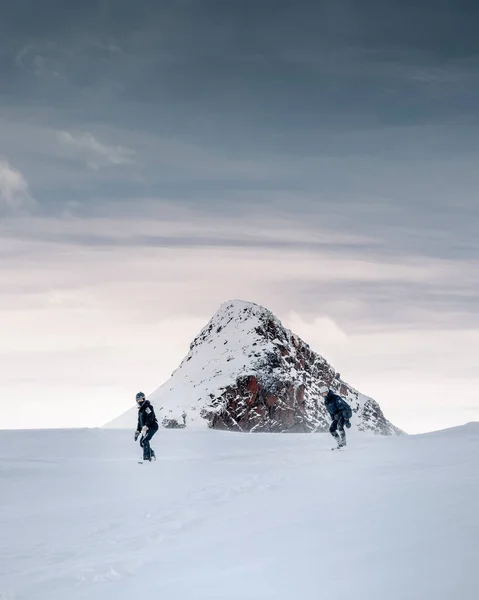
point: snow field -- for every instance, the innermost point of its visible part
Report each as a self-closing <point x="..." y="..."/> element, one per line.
<point x="224" y="515"/>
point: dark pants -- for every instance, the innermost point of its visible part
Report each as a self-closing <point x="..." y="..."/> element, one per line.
<point x="338" y="425"/>
<point x="148" y="453"/>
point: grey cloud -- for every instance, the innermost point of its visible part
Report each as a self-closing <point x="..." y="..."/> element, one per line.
<point x="388" y="280"/>
<point x="254" y="58"/>
<point x="187" y="242"/>
<point x="257" y="80"/>
<point x="388" y="304"/>
<point x="427" y="23"/>
<point x="323" y="112"/>
<point x="95" y="153"/>
<point x="14" y="190"/>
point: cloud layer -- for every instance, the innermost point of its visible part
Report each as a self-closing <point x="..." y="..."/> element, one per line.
<point x="14" y="193"/>
<point x="160" y="158"/>
<point x="95" y="153"/>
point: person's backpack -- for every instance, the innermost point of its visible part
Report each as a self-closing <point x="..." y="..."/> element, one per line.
<point x="345" y="408"/>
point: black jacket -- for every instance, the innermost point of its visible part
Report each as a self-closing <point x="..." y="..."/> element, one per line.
<point x="337" y="406"/>
<point x="146" y="416"/>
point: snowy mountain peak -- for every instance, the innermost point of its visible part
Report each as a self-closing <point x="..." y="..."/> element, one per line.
<point x="232" y="334"/>
<point x="240" y="309"/>
<point x="235" y="318"/>
<point x="246" y="372"/>
<point x="233" y="315"/>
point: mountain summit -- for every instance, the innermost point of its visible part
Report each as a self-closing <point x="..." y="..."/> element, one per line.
<point x="246" y="372"/>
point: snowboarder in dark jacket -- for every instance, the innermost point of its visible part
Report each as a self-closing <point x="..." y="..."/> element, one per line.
<point x="340" y="412"/>
<point x="147" y="425"/>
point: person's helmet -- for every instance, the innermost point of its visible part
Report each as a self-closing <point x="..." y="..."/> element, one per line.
<point x="323" y="390"/>
<point x="140" y="397"/>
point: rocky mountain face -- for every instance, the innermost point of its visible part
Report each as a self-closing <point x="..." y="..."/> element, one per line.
<point x="246" y="372"/>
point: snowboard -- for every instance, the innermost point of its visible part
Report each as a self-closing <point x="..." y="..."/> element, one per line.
<point x="153" y="459"/>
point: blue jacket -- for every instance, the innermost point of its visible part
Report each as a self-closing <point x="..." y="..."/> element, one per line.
<point x="336" y="406"/>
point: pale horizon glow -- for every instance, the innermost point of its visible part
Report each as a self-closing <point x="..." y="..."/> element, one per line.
<point x="98" y="326"/>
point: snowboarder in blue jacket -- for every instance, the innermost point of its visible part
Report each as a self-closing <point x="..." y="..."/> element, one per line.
<point x="340" y="412"/>
<point x="147" y="426"/>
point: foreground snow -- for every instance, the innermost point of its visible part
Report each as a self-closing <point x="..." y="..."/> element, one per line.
<point x="238" y="516"/>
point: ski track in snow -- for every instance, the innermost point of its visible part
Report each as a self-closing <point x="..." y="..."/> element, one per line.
<point x="238" y="516"/>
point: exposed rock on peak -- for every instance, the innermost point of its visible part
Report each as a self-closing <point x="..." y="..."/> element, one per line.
<point x="246" y="372"/>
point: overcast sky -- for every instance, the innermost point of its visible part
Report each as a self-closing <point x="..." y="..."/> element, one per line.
<point x="160" y="157"/>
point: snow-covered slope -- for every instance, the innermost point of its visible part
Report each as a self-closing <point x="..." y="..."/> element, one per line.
<point x="245" y="371"/>
<point x="236" y="517"/>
